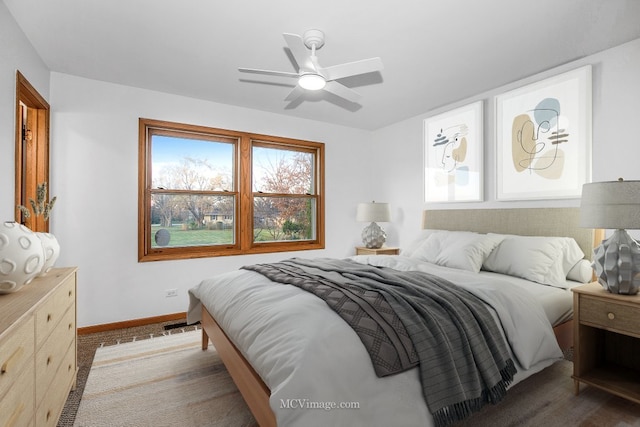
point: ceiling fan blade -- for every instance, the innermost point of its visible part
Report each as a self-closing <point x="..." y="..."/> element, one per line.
<point x="296" y="93"/>
<point x="352" y="68"/>
<point x="300" y="52"/>
<point x="342" y="91"/>
<point x="268" y="72"/>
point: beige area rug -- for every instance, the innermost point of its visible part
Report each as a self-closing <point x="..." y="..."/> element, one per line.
<point x="170" y="381"/>
<point x="163" y="381"/>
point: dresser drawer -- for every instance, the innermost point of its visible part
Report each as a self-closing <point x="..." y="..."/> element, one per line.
<point x="16" y="407"/>
<point x="16" y="351"/>
<point x="50" y="356"/>
<point x="49" y="409"/>
<point x="610" y="315"/>
<point x="49" y="314"/>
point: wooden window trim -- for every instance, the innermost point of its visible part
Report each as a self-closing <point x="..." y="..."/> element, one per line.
<point x="244" y="202"/>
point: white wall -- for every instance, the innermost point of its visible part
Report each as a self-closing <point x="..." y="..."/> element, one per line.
<point x="615" y="141"/>
<point x="94" y="149"/>
<point x="16" y="53"/>
<point x="94" y="170"/>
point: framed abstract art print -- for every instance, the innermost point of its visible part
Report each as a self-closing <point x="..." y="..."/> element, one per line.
<point x="543" y="138"/>
<point x="453" y="155"/>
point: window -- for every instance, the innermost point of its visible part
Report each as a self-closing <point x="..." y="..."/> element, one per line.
<point x="212" y="192"/>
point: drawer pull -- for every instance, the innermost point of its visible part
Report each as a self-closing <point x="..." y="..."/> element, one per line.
<point x="48" y="360"/>
<point x="611" y="316"/>
<point x="16" y="414"/>
<point x="49" y="317"/>
<point x="16" y="355"/>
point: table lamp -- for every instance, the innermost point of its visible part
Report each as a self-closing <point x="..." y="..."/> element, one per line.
<point x="614" y="205"/>
<point x="373" y="236"/>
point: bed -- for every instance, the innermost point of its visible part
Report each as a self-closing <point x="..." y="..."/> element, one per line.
<point x="274" y="339"/>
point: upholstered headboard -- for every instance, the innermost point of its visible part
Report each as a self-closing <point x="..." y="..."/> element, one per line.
<point x="527" y="222"/>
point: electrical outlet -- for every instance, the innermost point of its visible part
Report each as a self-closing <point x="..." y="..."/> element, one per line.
<point x="171" y="293"/>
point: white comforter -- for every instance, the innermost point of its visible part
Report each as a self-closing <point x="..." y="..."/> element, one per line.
<point x="314" y="363"/>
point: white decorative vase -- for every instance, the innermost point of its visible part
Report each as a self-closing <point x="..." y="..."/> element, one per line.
<point x="21" y="256"/>
<point x="373" y="236"/>
<point x="51" y="251"/>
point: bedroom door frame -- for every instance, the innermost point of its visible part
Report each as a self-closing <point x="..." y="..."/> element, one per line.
<point x="32" y="149"/>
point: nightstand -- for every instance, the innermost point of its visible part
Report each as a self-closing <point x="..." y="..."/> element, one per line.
<point x="606" y="341"/>
<point x="361" y="250"/>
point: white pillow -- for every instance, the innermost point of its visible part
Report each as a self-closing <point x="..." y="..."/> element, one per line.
<point x="545" y="260"/>
<point x="464" y="250"/>
<point x="415" y="244"/>
<point x="581" y="272"/>
<point x="571" y="254"/>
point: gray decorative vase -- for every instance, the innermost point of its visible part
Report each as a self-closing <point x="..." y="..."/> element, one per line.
<point x="617" y="264"/>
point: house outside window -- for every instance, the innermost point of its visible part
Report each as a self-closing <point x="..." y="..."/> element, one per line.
<point x="213" y="192"/>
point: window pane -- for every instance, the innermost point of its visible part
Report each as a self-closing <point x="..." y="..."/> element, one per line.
<point x="179" y="220"/>
<point x="283" y="219"/>
<point x="191" y="164"/>
<point x="282" y="171"/>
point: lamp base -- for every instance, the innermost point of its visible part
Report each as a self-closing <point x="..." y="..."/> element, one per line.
<point x="373" y="236"/>
<point x="617" y="263"/>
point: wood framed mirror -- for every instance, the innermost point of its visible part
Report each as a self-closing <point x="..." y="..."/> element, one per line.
<point x="32" y="149"/>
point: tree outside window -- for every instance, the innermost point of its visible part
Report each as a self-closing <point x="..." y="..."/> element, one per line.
<point x="284" y="205"/>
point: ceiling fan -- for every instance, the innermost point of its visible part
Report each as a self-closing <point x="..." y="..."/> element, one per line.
<point x="311" y="76"/>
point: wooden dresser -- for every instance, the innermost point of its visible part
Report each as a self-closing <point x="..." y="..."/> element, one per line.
<point x="38" y="355"/>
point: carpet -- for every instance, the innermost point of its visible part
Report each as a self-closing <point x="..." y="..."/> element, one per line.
<point x="163" y="381"/>
<point x="170" y="381"/>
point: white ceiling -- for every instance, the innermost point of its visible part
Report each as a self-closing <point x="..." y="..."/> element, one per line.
<point x="435" y="52"/>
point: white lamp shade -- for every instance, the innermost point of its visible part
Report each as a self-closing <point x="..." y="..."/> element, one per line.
<point x="373" y="212"/>
<point x="611" y="204"/>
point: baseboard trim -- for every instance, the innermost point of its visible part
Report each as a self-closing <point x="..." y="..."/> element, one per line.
<point x="131" y="323"/>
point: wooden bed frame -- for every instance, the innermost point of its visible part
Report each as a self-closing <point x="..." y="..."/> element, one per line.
<point x="534" y="222"/>
<point x="254" y="391"/>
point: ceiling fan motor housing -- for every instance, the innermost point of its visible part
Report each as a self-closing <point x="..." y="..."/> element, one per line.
<point x="313" y="38"/>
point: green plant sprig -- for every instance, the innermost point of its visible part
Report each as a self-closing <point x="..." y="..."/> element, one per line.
<point x="40" y="206"/>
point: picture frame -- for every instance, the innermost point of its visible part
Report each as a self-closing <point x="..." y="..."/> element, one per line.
<point x="453" y="155"/>
<point x="543" y="138"/>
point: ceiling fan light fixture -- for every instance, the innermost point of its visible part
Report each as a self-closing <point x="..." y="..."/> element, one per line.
<point x="312" y="81"/>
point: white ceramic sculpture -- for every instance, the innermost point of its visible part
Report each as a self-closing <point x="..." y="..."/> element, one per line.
<point x="51" y="251"/>
<point x="21" y="256"/>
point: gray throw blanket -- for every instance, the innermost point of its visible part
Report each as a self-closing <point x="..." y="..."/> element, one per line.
<point x="463" y="359"/>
